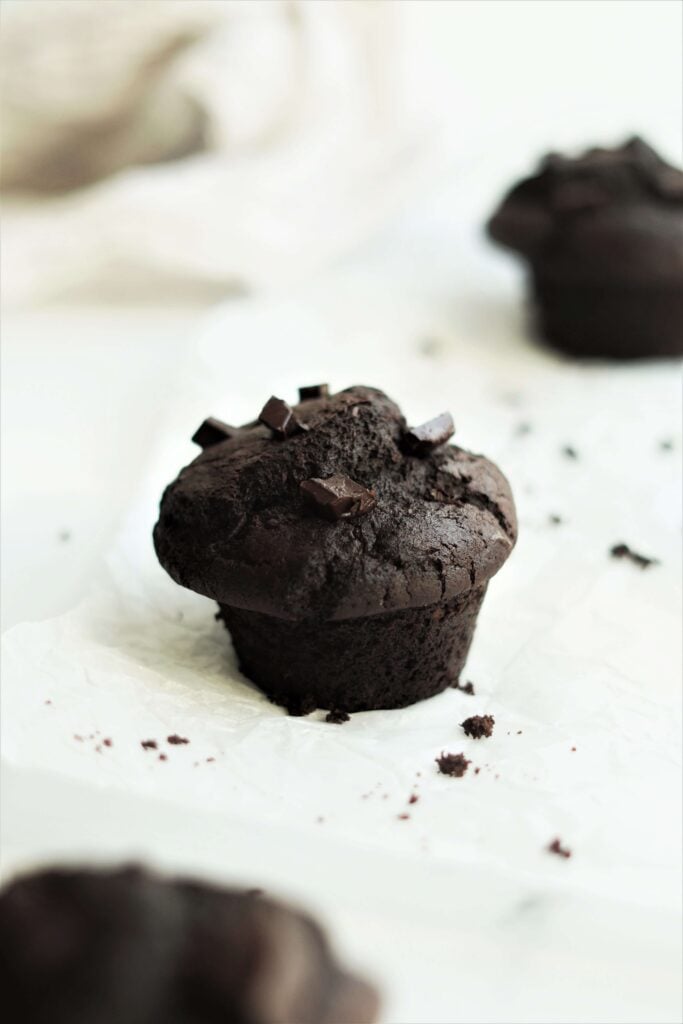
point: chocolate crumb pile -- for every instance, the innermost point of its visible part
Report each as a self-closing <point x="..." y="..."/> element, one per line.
<point x="559" y="850"/>
<point x="453" y="764"/>
<point x="624" y="551"/>
<point x="337" y="717"/>
<point x="478" y="726"/>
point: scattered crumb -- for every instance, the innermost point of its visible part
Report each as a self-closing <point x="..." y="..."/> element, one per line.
<point x="209" y="760"/>
<point x="522" y="429"/>
<point x="573" y="750"/>
<point x="148" y="744"/>
<point x="319" y="821"/>
<point x="557" y="848"/>
<point x="624" y="551"/>
<point x="48" y="702"/>
<point x="175" y="740"/>
<point x="64" y="536"/>
<point x="162" y="757"/>
<point x="666" y="445"/>
<point x="452" y="764"/>
<point x="108" y="742"/>
<point x="554" y="519"/>
<point x="418" y="774"/>
<point x="569" y="452"/>
<point x="477" y="770"/>
<point x="519" y="732"/>
<point x="478" y="726"/>
<point x="77" y="737"/>
<point x="404" y="817"/>
<point x="464" y="687"/>
<point x="413" y="798"/>
<point x="337" y="717"/>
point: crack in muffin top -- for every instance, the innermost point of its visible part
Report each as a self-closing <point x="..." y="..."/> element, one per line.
<point x="418" y="526"/>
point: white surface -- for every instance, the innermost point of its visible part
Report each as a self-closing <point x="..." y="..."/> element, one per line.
<point x="573" y="648"/>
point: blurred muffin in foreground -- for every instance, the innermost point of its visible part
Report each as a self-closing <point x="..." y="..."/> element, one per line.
<point x="603" y="236"/>
<point x="128" y="947"/>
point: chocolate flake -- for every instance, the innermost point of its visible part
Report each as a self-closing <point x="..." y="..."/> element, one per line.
<point x="211" y="432"/>
<point x="478" y="726"/>
<point x="428" y="436"/>
<point x="557" y="848"/>
<point x="453" y="764"/>
<point x="314" y="391"/>
<point x="337" y="717"/>
<point x="279" y="417"/>
<point x="175" y="740"/>
<point x="338" y="497"/>
<point x="148" y="744"/>
<point x="624" y="551"/>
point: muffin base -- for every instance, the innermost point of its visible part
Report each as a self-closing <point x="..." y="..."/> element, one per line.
<point x="609" y="322"/>
<point x="380" y="661"/>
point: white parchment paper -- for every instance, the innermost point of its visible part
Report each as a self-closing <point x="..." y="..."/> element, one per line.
<point x="577" y="655"/>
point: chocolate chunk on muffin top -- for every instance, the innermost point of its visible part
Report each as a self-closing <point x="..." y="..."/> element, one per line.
<point x="335" y="509"/>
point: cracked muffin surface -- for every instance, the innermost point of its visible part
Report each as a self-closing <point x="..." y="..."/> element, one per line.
<point x="238" y="527"/>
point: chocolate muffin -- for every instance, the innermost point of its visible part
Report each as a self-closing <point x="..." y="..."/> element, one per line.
<point x="349" y="554"/>
<point x="127" y="947"/>
<point x="603" y="235"/>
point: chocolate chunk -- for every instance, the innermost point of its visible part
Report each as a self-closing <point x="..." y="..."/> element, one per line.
<point x="453" y="764"/>
<point x="338" y="497"/>
<point x="478" y="726"/>
<point x="337" y="717"/>
<point x="428" y="436"/>
<point x="314" y="391"/>
<point x="175" y="740"/>
<point x="279" y="417"/>
<point x="624" y="551"/>
<point x="213" y="431"/>
<point x="557" y="848"/>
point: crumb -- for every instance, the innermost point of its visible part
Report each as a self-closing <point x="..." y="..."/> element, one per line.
<point x="573" y="750"/>
<point x="496" y="776"/>
<point x="209" y="760"/>
<point x="477" y="770"/>
<point x="64" y="536"/>
<point x="519" y="732"/>
<point x="555" y="519"/>
<point x="107" y="742"/>
<point x="418" y="774"/>
<point x="452" y="764"/>
<point x="175" y="740"/>
<point x="162" y="757"/>
<point x="319" y="821"/>
<point x="148" y="744"/>
<point x="666" y="445"/>
<point x="77" y="737"/>
<point x="429" y="347"/>
<point x="48" y="702"/>
<point x="464" y="687"/>
<point x="413" y="798"/>
<point x="404" y="817"/>
<point x="557" y="848"/>
<point x="624" y="551"/>
<point x="522" y="429"/>
<point x="569" y="452"/>
<point x="337" y="717"/>
<point x="478" y="726"/>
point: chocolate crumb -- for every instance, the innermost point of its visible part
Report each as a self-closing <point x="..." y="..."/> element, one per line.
<point x="337" y="717"/>
<point x="555" y="519"/>
<point x="148" y="744"/>
<point x="403" y="817"/>
<point x="64" y="536"/>
<point x="175" y="740"/>
<point x="477" y="770"/>
<point x="413" y="798"/>
<point x="77" y="737"/>
<point x="522" y="429"/>
<point x="569" y="452"/>
<point x="163" y="757"/>
<point x="453" y="764"/>
<point x="314" y="391"/>
<point x="624" y="551"/>
<point x="573" y="750"/>
<point x="48" y="702"/>
<point x="557" y="848"/>
<point x="319" y="821"/>
<point x="666" y="445"/>
<point x="519" y="732"/>
<point x="478" y="726"/>
<point x="465" y="688"/>
<point x="209" y="760"/>
<point x="107" y="742"/>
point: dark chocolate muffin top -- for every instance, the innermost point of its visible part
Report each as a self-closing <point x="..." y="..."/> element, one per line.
<point x="334" y="510"/>
<point x="607" y="215"/>
<point x="127" y="947"/>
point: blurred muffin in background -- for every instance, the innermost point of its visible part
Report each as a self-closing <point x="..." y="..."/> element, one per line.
<point x="603" y="236"/>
